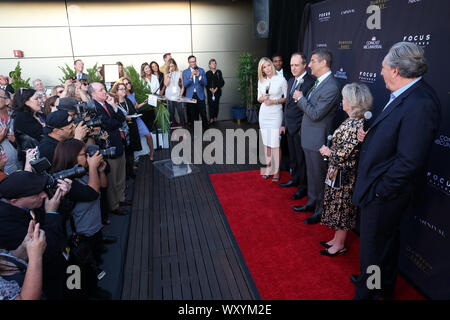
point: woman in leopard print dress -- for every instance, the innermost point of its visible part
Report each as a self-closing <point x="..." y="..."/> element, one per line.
<point x="339" y="212"/>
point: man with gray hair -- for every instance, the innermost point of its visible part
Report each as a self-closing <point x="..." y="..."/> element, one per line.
<point x="392" y="162"/>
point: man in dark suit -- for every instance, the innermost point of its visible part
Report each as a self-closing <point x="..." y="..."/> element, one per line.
<point x="319" y="107"/>
<point x="392" y="164"/>
<point x="194" y="81"/>
<point x="292" y="121"/>
<point x="112" y="119"/>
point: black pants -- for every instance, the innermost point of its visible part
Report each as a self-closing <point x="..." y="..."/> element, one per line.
<point x="297" y="159"/>
<point x="213" y="106"/>
<point x="197" y="109"/>
<point x="316" y="171"/>
<point x="379" y="244"/>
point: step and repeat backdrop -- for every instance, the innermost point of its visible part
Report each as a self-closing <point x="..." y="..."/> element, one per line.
<point x="359" y="34"/>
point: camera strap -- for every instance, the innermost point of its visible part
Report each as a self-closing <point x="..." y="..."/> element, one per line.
<point x="72" y="225"/>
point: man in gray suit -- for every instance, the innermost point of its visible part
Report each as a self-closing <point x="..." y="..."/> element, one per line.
<point x="319" y="108"/>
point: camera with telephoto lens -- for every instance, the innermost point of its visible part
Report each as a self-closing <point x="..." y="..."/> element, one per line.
<point x="91" y="124"/>
<point x="42" y="165"/>
<point x="108" y="153"/>
<point x="84" y="108"/>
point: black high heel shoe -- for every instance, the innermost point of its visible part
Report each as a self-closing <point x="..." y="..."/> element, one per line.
<point x="326" y="253"/>
<point x="325" y="244"/>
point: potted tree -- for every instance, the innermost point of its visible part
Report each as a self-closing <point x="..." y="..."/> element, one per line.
<point x="248" y="84"/>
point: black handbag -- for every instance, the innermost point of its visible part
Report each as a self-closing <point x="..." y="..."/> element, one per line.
<point x="81" y="252"/>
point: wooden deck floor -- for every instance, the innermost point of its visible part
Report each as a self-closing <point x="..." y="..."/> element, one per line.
<point x="180" y="244"/>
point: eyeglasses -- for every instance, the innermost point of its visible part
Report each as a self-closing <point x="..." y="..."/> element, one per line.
<point x="121" y="89"/>
<point x="126" y="83"/>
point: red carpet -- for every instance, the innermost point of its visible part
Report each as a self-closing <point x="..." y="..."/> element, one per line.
<point x="281" y="251"/>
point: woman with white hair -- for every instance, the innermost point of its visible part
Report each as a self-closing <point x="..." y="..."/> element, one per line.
<point x="339" y="212"/>
<point x="272" y="92"/>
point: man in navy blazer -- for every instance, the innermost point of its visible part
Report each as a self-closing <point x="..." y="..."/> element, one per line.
<point x="392" y="164"/>
<point x="194" y="82"/>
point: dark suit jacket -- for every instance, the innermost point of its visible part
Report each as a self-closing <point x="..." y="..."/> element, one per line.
<point x="319" y="112"/>
<point x="112" y="122"/>
<point x="394" y="152"/>
<point x="292" y="117"/>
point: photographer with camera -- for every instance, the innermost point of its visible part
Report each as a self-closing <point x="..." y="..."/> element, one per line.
<point x="112" y="119"/>
<point x="59" y="127"/>
<point x="84" y="223"/>
<point x="22" y="194"/>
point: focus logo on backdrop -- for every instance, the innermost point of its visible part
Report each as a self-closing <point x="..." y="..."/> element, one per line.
<point x="373" y="44"/>
<point x="341" y="74"/>
<point x="368" y="77"/>
<point x="440" y="183"/>
<point x="422" y="40"/>
<point x="324" y="16"/>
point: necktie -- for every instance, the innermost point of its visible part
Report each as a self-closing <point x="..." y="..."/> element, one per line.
<point x="293" y="87"/>
<point x="313" y="88"/>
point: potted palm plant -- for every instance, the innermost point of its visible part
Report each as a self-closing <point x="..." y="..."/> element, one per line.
<point x="248" y="84"/>
<point x="68" y="73"/>
<point x="17" y="81"/>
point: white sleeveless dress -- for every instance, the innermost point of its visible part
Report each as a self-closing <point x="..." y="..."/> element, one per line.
<point x="270" y="117"/>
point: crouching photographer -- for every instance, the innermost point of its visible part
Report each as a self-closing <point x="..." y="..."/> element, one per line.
<point x="23" y="198"/>
<point x="84" y="224"/>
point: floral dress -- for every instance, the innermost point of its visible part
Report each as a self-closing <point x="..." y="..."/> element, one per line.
<point x="338" y="210"/>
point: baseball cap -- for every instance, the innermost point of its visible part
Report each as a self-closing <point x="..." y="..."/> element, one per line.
<point x="57" y="120"/>
<point x="21" y="184"/>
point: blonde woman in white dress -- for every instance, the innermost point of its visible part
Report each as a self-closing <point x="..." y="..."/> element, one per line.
<point x="272" y="92"/>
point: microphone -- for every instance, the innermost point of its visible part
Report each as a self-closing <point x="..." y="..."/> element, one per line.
<point x="300" y="82"/>
<point x="297" y="88"/>
<point x="367" y="117"/>
<point x="267" y="89"/>
<point x="329" y="139"/>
